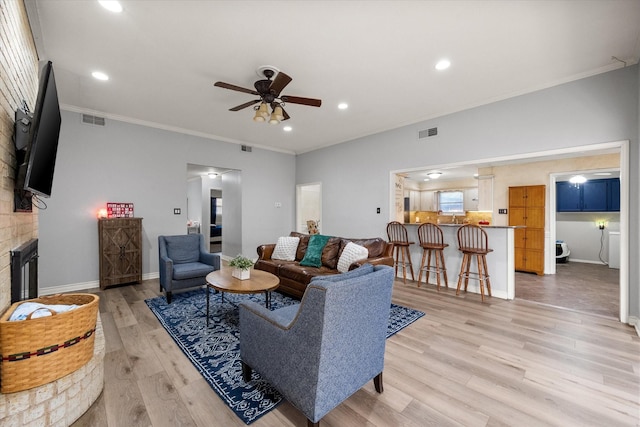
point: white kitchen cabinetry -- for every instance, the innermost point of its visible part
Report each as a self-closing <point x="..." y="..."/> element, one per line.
<point x="470" y="199"/>
<point x="426" y="201"/>
<point x="414" y="200"/>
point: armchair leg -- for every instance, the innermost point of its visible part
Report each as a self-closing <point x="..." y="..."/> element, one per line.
<point x="246" y="372"/>
<point x="168" y="296"/>
<point x="312" y="424"/>
<point x="377" y="382"/>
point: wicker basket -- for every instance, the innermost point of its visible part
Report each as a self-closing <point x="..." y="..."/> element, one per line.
<point x="37" y="351"/>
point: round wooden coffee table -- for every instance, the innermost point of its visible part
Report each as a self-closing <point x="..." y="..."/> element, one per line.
<point x="259" y="281"/>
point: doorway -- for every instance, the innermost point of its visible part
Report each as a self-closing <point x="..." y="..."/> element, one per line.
<point x="308" y="206"/>
<point x="621" y="147"/>
<point x="205" y="187"/>
<point x="215" y="228"/>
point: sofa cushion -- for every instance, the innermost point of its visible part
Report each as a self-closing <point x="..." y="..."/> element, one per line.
<point x="350" y="254"/>
<point x="302" y="246"/>
<point x="303" y="274"/>
<point x="376" y="246"/>
<point x="286" y="248"/>
<point x="271" y="265"/>
<point x="330" y="252"/>
<point x="360" y="271"/>
<point x="183" y="249"/>
<point x="313" y="255"/>
<point x="190" y="270"/>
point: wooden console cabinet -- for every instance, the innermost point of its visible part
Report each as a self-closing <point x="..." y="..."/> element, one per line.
<point x="120" y="251"/>
<point x="527" y="208"/>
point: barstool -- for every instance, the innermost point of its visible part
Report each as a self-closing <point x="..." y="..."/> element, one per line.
<point x="397" y="234"/>
<point x="473" y="241"/>
<point x="432" y="242"/>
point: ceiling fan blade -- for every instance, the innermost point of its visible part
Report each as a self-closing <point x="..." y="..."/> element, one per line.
<point x="300" y="100"/>
<point x="279" y="83"/>
<point x="245" y="105"/>
<point x="234" y="87"/>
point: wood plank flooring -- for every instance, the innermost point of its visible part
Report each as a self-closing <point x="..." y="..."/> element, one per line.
<point x="466" y="363"/>
<point x="590" y="288"/>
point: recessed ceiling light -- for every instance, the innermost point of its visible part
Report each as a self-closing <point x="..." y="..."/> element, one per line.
<point x="443" y="64"/>
<point x="287" y="128"/>
<point x="603" y="173"/>
<point x="111" y="5"/>
<point x="343" y="106"/>
<point x="100" y="75"/>
<point x="426" y="179"/>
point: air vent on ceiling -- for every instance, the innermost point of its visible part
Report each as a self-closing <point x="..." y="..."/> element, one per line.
<point x="246" y="148"/>
<point x="427" y="133"/>
<point x="93" y="120"/>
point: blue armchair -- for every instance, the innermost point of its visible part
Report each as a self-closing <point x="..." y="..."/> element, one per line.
<point x="184" y="262"/>
<point x="321" y="351"/>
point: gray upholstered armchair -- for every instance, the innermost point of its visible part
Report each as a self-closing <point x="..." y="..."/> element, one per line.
<point x="321" y="351"/>
<point x="184" y="262"/>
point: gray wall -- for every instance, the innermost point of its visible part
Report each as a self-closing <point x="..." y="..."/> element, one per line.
<point x="355" y="175"/>
<point x="124" y="162"/>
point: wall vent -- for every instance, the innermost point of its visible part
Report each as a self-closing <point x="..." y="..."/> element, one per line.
<point x="93" y="120"/>
<point x="246" y="148"/>
<point x="427" y="133"/>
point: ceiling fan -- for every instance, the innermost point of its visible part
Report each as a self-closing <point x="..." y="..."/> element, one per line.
<point x="268" y="89"/>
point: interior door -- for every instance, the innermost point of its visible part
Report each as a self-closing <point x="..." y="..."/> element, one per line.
<point x="308" y="206"/>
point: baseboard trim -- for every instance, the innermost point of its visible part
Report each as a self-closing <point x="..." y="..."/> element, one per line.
<point x="635" y="322"/>
<point x="83" y="286"/>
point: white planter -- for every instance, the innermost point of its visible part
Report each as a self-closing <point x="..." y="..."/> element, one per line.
<point x="240" y="274"/>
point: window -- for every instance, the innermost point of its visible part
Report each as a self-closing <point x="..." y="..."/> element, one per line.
<point x="451" y="201"/>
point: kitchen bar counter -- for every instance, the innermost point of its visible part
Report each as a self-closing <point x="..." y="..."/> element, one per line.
<point x="500" y="262"/>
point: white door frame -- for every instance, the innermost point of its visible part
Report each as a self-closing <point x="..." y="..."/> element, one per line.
<point x="301" y="223"/>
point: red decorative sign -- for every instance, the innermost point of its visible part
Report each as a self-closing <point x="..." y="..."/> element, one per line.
<point x="119" y="210"/>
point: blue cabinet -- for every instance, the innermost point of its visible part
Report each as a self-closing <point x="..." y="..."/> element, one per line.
<point x="597" y="195"/>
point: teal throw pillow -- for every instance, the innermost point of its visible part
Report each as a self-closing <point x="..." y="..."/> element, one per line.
<point x="313" y="255"/>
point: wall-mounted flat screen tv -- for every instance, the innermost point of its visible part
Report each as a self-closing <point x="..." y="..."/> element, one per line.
<point x="38" y="157"/>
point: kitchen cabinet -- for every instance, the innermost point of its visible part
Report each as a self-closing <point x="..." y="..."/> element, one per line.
<point x="426" y="201"/>
<point x="471" y="199"/>
<point x="527" y="209"/>
<point x="414" y="200"/>
<point x="598" y="195"/>
<point x="120" y="250"/>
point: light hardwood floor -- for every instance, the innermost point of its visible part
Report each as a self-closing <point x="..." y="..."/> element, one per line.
<point x="589" y="288"/>
<point x="465" y="363"/>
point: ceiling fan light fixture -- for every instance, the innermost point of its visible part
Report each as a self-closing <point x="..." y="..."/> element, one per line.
<point x="263" y="110"/>
<point x="258" y="117"/>
<point x="278" y="113"/>
<point x="274" y="120"/>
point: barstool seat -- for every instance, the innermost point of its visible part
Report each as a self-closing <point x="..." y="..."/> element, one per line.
<point x="398" y="235"/>
<point x="473" y="242"/>
<point x="432" y="242"/>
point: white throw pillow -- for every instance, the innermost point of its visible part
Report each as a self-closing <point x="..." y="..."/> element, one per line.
<point x="286" y="248"/>
<point x="350" y="254"/>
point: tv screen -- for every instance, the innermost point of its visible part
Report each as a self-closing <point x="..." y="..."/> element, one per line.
<point x="43" y="142"/>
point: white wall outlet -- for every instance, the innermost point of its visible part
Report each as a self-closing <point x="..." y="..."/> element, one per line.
<point x="278" y="205"/>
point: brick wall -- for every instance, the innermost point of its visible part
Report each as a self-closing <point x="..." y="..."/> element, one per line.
<point x="18" y="81"/>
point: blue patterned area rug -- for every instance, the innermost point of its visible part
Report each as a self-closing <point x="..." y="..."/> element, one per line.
<point x="215" y="351"/>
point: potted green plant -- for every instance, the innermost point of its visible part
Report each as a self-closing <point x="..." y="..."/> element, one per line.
<point x="241" y="267"/>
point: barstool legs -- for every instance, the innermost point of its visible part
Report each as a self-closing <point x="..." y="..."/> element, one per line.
<point x="482" y="274"/>
<point x="439" y="268"/>
<point x="403" y="252"/>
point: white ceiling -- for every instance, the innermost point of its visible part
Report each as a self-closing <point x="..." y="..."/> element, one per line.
<point x="378" y="56"/>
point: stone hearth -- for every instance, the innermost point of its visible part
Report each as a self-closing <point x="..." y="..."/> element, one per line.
<point x="61" y="402"/>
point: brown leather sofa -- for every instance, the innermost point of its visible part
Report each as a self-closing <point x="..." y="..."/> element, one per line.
<point x="294" y="278"/>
